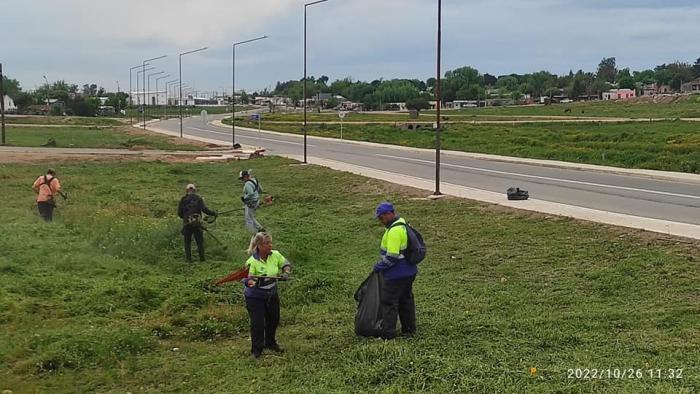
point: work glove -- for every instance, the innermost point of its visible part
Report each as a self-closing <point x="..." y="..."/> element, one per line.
<point x="284" y="276"/>
<point x="242" y="200"/>
<point x="251" y="283"/>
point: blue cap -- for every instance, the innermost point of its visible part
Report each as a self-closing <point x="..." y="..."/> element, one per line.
<point x="382" y="208"/>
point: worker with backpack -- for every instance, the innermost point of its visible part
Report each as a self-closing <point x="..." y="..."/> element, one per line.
<point x="402" y="248"/>
<point x="46" y="187"/>
<point x="251" y="201"/>
<point x="190" y="210"/>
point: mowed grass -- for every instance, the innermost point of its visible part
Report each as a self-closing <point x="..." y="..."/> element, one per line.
<point x="681" y="107"/>
<point x="663" y="145"/>
<point x="91" y="137"/>
<point x="101" y="299"/>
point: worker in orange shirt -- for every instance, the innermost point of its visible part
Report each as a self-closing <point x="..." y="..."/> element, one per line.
<point x="46" y="187"/>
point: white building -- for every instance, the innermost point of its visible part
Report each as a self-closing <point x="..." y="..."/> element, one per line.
<point x="9" y="104"/>
<point x="152" y="98"/>
<point x="619" y="94"/>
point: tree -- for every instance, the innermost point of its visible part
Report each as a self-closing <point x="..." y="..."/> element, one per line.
<point x="90" y="90"/>
<point x="490" y="80"/>
<point x="418" y="104"/>
<point x="244" y="97"/>
<point x="696" y="68"/>
<point x="607" y="69"/>
<point x="332" y="102"/>
<point x="430" y="83"/>
<point x="626" y="82"/>
<point x="11" y="87"/>
<point x="23" y="100"/>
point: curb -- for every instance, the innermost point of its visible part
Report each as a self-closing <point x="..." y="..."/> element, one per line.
<point x="651" y="174"/>
<point x="685" y="230"/>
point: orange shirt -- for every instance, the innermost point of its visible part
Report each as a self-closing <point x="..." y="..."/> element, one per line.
<point x="46" y="192"/>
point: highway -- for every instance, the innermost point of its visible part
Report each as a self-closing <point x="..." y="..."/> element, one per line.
<point x="676" y="201"/>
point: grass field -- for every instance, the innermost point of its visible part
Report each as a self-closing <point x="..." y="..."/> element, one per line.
<point x="63" y="120"/>
<point x="664" y="145"/>
<point x="101" y="300"/>
<point x="82" y="137"/>
<point x="689" y="108"/>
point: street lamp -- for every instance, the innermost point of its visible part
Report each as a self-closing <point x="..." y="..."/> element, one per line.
<point x="131" y="98"/>
<point x="144" y="85"/>
<point x="48" y="109"/>
<point x="148" y="88"/>
<point x="305" y="7"/>
<point x="180" y="68"/>
<point x="167" y="90"/>
<point x="233" y="87"/>
<point x="157" y="92"/>
<point x="438" y="99"/>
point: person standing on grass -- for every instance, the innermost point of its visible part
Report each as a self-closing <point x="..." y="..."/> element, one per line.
<point x="251" y="201"/>
<point x="399" y="274"/>
<point x="265" y="267"/>
<point x="190" y="211"/>
<point x="46" y="187"/>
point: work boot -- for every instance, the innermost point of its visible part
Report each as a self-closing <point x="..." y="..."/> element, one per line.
<point x="256" y="354"/>
<point x="275" y="348"/>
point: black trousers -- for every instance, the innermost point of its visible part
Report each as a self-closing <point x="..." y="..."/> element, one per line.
<point x="46" y="210"/>
<point x="188" y="231"/>
<point x="397" y="301"/>
<point x="264" y="319"/>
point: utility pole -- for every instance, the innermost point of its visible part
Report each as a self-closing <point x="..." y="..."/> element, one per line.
<point x="438" y="99"/>
<point x="305" y="76"/>
<point x="2" y="106"/>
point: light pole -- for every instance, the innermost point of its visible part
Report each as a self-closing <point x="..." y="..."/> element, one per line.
<point x="144" y="84"/>
<point x="167" y="90"/>
<point x="143" y="87"/>
<point x="2" y="108"/>
<point x="233" y="86"/>
<point x="48" y="108"/>
<point x="148" y="88"/>
<point x="131" y="99"/>
<point x="180" y="69"/>
<point x="305" y="77"/>
<point x="157" y="92"/>
<point x="438" y="99"/>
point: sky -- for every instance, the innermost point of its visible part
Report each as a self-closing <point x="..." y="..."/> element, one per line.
<point x="88" y="41"/>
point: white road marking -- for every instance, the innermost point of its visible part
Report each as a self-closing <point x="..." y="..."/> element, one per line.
<point x="547" y="178"/>
<point x="257" y="138"/>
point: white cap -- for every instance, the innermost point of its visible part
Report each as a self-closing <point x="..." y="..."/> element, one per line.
<point x="191" y="186"/>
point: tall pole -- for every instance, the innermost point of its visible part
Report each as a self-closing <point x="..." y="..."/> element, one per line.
<point x="167" y="90"/>
<point x="305" y="77"/>
<point x="157" y="92"/>
<point x="438" y="99"/>
<point x="180" y="77"/>
<point x="2" y="106"/>
<point x="304" y="98"/>
<point x="148" y="88"/>
<point x="144" y="84"/>
<point x="48" y="108"/>
<point x="233" y="85"/>
<point x="131" y="98"/>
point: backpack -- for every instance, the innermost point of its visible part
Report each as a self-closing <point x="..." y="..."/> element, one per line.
<point x="516" y="193"/>
<point x="50" y="199"/>
<point x="415" y="252"/>
<point x="193" y="214"/>
<point x="255" y="184"/>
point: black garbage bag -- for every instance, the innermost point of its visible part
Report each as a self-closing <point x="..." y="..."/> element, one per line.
<point x="516" y="193"/>
<point x="368" y="319"/>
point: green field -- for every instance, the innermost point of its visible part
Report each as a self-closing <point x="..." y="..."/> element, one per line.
<point x="63" y="120"/>
<point x="94" y="137"/>
<point x="663" y="145"/>
<point x="101" y="300"/>
<point x="683" y="108"/>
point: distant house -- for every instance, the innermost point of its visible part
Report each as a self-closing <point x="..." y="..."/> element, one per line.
<point x="691" y="87"/>
<point x="619" y="94"/>
<point x="9" y="104"/>
<point x="654" y="89"/>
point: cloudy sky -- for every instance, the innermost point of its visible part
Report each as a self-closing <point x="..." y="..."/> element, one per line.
<point x="88" y="41"/>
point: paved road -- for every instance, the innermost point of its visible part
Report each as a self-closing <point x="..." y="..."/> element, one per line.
<point x="632" y="195"/>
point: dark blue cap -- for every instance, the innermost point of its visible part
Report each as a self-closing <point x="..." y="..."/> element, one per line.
<point x="382" y="208"/>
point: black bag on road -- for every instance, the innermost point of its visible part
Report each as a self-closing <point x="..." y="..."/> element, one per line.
<point x="368" y="320"/>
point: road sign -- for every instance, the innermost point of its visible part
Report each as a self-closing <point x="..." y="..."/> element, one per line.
<point x="255" y="117"/>
<point x="342" y="114"/>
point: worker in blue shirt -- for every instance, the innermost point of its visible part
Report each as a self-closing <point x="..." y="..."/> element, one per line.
<point x="399" y="274"/>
